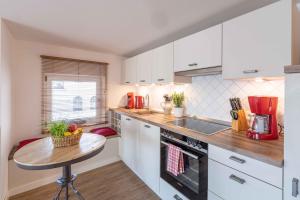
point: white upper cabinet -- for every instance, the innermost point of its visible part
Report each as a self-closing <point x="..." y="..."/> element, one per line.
<point x="200" y="50"/>
<point x="259" y="43"/>
<point x="144" y="67"/>
<point x="130" y="70"/>
<point x="162" y="71"/>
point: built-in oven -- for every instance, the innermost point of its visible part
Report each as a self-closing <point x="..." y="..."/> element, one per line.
<point x="193" y="182"/>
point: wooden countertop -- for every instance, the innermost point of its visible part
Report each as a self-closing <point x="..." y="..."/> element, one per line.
<point x="292" y="69"/>
<point x="41" y="154"/>
<point x="270" y="152"/>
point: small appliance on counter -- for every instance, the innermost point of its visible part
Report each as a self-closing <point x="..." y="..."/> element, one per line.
<point x="130" y="100"/>
<point x="239" y="121"/>
<point x="167" y="104"/>
<point x="264" y="121"/>
<point x="139" y="102"/>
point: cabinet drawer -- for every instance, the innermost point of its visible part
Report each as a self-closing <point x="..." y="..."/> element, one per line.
<point x="252" y="167"/>
<point x="212" y="196"/>
<point x="231" y="184"/>
<point x="167" y="192"/>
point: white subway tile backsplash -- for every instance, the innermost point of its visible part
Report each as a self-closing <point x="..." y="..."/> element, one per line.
<point x="208" y="96"/>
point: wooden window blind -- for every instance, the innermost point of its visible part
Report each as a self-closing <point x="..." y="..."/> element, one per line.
<point x="74" y="91"/>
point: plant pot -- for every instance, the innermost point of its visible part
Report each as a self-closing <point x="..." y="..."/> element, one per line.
<point x="178" y="112"/>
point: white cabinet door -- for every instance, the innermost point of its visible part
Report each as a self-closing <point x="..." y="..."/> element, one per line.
<point x="292" y="136"/>
<point x="144" y="67"/>
<point x="258" y="44"/>
<point x="149" y="155"/>
<point x="130" y="70"/>
<point x="200" y="50"/>
<point x="129" y="128"/>
<point x="163" y="64"/>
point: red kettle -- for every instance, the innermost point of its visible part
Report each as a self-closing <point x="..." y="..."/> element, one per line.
<point x="139" y="102"/>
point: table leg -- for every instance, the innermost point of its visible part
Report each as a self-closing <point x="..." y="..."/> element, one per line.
<point x="65" y="181"/>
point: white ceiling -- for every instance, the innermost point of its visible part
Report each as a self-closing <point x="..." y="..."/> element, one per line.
<point x="122" y="27"/>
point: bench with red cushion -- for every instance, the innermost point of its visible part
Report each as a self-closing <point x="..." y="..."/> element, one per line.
<point x="104" y="131"/>
<point x="25" y="142"/>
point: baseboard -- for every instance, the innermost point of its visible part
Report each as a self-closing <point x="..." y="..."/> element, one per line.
<point x="45" y="181"/>
<point x="5" y="196"/>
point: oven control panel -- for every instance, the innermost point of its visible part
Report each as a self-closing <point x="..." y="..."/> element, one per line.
<point x="184" y="140"/>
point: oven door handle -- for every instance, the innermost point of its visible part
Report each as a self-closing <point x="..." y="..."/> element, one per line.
<point x="183" y="151"/>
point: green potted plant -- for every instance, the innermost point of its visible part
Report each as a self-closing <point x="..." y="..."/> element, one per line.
<point x="178" y="99"/>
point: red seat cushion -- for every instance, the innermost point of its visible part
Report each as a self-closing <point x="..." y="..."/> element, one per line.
<point x="104" y="131"/>
<point x="25" y="142"/>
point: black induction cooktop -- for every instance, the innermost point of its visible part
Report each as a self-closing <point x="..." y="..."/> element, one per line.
<point x="199" y="125"/>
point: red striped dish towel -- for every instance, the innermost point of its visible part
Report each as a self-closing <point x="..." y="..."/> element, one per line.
<point x="175" y="163"/>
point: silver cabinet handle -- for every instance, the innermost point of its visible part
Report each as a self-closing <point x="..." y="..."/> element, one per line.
<point x="147" y="126"/>
<point x="142" y="81"/>
<point x="193" y="64"/>
<point x="177" y="197"/>
<point x="236" y="159"/>
<point x="237" y="179"/>
<point x="251" y="71"/>
<point x="295" y="190"/>
<point x="128" y="119"/>
<point x="160" y="79"/>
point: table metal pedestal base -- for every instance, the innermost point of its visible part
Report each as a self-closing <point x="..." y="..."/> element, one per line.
<point x="66" y="181"/>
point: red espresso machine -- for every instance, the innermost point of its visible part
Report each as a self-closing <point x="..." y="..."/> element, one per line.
<point x="130" y="100"/>
<point x="263" y="125"/>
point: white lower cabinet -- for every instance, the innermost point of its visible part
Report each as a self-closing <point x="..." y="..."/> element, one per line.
<point x="129" y="142"/>
<point x="149" y="155"/>
<point x="230" y="184"/>
<point x="168" y="192"/>
<point x="212" y="196"/>
<point x="140" y="150"/>
<point x="262" y="171"/>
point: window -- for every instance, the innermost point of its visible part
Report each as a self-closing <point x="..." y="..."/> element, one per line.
<point x="76" y="92"/>
<point x="93" y="102"/>
<point x="77" y="103"/>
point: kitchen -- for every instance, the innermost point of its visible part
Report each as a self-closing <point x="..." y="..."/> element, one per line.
<point x="227" y="113"/>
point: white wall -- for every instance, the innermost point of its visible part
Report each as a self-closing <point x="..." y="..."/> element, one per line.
<point x="27" y="90"/>
<point x="27" y="104"/>
<point x="6" y="103"/>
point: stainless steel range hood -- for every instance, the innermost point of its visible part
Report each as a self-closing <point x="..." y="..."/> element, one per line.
<point x="201" y="72"/>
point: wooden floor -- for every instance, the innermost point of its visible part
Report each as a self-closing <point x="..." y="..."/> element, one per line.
<point x="112" y="182"/>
